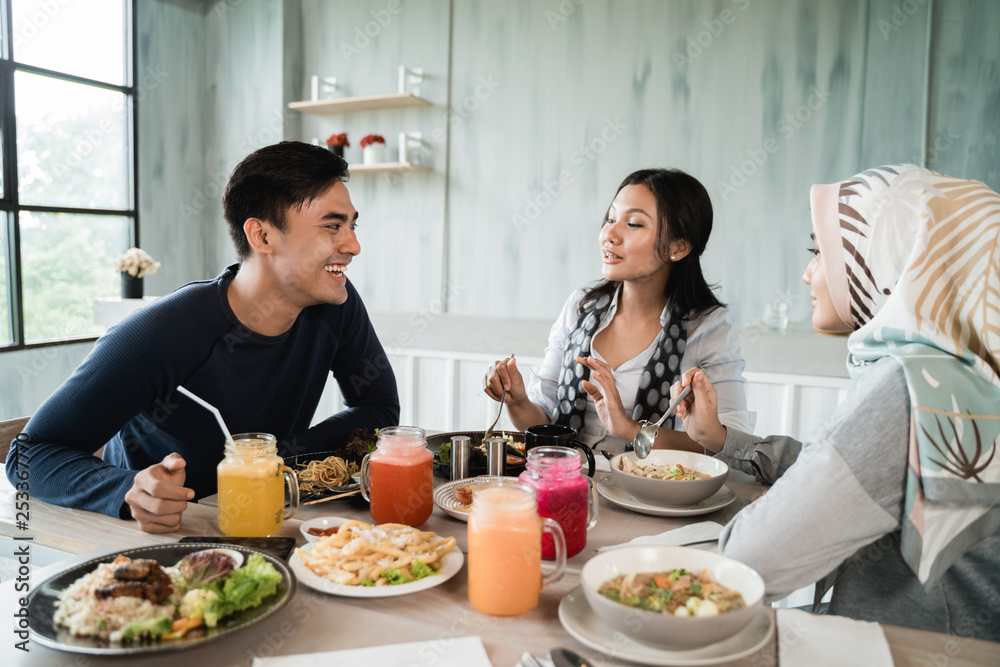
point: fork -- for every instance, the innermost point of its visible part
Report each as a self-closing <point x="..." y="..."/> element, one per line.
<point x="339" y="488"/>
<point x="503" y="397"/>
<point x="489" y="431"/>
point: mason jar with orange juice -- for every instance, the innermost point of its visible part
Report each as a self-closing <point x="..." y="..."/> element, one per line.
<point x="397" y="479"/>
<point x="505" y="548"/>
<point x="252" y="479"/>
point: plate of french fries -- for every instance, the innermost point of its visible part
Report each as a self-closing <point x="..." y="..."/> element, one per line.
<point x="365" y="561"/>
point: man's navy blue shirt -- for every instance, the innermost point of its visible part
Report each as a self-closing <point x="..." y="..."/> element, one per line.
<point x="123" y="396"/>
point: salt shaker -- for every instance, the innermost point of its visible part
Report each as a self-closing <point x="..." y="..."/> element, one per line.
<point x="496" y="454"/>
<point x="461" y="449"/>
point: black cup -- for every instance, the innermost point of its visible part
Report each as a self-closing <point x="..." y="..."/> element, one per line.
<point x="559" y="436"/>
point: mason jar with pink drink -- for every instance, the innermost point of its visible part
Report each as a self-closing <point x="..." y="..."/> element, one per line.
<point x="563" y="494"/>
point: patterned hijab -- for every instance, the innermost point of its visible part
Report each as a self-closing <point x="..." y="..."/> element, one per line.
<point x="912" y="259"/>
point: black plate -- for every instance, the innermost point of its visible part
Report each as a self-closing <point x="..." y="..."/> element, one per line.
<point x="477" y="466"/>
<point x="279" y="547"/>
<point x="298" y="460"/>
<point x="42" y="604"/>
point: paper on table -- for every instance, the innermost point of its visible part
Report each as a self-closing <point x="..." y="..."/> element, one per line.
<point x="452" y="653"/>
<point x="819" y="640"/>
<point x="695" y="532"/>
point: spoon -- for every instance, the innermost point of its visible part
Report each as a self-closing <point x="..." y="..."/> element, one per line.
<point x="647" y="434"/>
<point x="563" y="657"/>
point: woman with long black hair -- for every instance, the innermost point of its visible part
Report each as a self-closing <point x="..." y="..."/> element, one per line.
<point x="619" y="345"/>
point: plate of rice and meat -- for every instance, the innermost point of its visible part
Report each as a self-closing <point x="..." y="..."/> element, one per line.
<point x="157" y="598"/>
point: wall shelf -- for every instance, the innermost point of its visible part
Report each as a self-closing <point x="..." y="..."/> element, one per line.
<point x="353" y="104"/>
<point x="385" y="167"/>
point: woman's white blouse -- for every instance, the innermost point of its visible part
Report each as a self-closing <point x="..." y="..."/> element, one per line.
<point x="712" y="345"/>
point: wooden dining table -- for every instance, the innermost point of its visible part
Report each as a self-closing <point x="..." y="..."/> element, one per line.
<point x="316" y="622"/>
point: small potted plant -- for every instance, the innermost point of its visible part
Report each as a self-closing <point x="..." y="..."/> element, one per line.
<point x="134" y="265"/>
<point x="337" y="143"/>
<point x="373" y="149"/>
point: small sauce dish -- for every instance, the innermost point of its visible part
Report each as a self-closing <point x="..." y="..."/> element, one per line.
<point x="313" y="529"/>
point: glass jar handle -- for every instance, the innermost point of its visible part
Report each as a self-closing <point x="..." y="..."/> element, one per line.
<point x="559" y="539"/>
<point x="365" y="481"/>
<point x="292" y="481"/>
<point x="591" y="503"/>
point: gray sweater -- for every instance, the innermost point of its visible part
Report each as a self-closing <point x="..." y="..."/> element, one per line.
<point x="836" y="508"/>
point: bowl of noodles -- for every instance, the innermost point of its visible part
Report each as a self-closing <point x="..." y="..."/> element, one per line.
<point x="669" y="477"/>
<point x="672" y="597"/>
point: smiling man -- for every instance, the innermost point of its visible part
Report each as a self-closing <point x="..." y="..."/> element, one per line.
<point x="258" y="342"/>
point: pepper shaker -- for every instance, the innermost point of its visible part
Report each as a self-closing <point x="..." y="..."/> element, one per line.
<point x="496" y="454"/>
<point x="461" y="449"/>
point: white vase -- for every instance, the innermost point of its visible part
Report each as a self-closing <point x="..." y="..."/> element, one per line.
<point x="373" y="154"/>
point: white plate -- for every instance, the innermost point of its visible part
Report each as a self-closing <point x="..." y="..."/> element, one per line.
<point x="608" y="487"/>
<point x="451" y="563"/>
<point x="446" y="498"/>
<point x="322" y="522"/>
<point x="587" y="628"/>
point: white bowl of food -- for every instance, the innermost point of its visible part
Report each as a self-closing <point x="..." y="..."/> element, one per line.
<point x="711" y="596"/>
<point x="669" y="476"/>
<point x="320" y="527"/>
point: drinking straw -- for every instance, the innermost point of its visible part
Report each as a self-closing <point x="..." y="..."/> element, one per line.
<point x="211" y="408"/>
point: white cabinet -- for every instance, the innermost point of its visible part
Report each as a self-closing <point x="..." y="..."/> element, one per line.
<point x="792" y="404"/>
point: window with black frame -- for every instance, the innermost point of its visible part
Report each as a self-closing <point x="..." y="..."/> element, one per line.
<point x="68" y="154"/>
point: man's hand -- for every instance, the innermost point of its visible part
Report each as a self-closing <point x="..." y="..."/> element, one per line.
<point x="158" y="496"/>
<point x="700" y="410"/>
<point x="608" y="402"/>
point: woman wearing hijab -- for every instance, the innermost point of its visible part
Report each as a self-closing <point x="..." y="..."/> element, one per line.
<point x="617" y="347"/>
<point x="895" y="500"/>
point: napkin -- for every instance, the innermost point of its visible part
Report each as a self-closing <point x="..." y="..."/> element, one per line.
<point x="695" y="532"/>
<point x="460" y="652"/>
<point x="811" y="640"/>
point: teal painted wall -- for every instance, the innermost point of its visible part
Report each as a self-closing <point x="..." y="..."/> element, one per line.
<point x="540" y="108"/>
